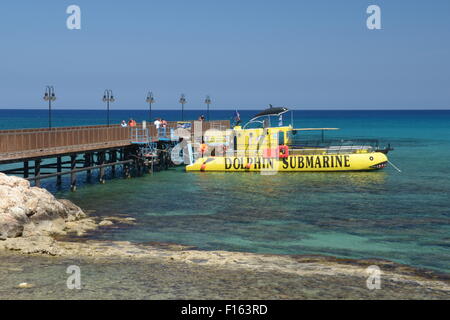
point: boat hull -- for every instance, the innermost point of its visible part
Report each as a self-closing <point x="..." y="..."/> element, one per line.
<point x="293" y="163"/>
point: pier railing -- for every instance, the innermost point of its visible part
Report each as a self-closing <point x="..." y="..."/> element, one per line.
<point x="28" y="140"/>
<point x="64" y="138"/>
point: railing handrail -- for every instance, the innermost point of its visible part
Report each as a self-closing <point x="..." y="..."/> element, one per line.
<point x="56" y="129"/>
<point x="27" y="140"/>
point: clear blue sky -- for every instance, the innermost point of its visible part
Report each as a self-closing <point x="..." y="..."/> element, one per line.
<point x="308" y="54"/>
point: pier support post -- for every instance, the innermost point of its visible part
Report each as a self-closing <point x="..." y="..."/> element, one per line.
<point x="26" y="169"/>
<point x="37" y="172"/>
<point x="58" y="170"/>
<point x="126" y="166"/>
<point x="113" y="158"/>
<point x="166" y="158"/>
<point x="101" y="160"/>
<point x="89" y="161"/>
<point x="160" y="160"/>
<point x="73" y="175"/>
<point x="137" y="165"/>
<point x="126" y="171"/>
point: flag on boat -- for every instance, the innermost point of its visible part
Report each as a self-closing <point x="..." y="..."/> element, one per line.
<point x="237" y="118"/>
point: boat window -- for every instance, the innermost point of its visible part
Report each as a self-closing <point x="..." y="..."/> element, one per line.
<point x="281" y="138"/>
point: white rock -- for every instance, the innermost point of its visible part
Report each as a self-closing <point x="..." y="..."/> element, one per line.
<point x="27" y="211"/>
<point x="25" y="285"/>
<point x="105" y="223"/>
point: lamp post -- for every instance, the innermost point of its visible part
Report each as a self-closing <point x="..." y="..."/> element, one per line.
<point x="150" y="99"/>
<point x="182" y="101"/>
<point x="208" y="102"/>
<point x="49" y="96"/>
<point x="108" y="97"/>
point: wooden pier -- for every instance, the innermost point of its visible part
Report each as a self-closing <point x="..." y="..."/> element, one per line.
<point x="38" y="154"/>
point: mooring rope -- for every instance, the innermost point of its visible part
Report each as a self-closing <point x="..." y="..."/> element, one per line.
<point x="394" y="166"/>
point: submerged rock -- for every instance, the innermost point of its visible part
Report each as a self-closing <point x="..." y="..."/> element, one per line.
<point x="105" y="223"/>
<point x="31" y="211"/>
<point x="25" y="285"/>
<point x="120" y="220"/>
<point x="297" y="276"/>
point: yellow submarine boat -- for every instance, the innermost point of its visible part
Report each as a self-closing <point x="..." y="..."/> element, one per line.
<point x="283" y="148"/>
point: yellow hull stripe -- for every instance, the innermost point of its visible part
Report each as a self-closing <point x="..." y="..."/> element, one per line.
<point x="330" y="162"/>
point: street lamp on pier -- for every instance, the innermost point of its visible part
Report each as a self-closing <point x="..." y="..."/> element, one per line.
<point x="150" y="99"/>
<point x="182" y="101"/>
<point x="208" y="102"/>
<point x="49" y="96"/>
<point x="108" y="97"/>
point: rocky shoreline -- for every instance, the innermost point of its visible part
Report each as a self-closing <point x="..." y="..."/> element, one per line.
<point x="27" y="211"/>
<point x="32" y="219"/>
<point x="185" y="273"/>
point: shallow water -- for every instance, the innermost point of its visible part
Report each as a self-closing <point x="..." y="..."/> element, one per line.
<point x="403" y="217"/>
<point x="115" y="278"/>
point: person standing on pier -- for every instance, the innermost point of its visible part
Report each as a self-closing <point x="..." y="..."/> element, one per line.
<point x="164" y="126"/>
<point x="132" y="123"/>
<point x="123" y="124"/>
<point x="157" y="124"/>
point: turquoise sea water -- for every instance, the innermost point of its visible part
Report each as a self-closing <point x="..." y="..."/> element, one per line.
<point x="403" y="217"/>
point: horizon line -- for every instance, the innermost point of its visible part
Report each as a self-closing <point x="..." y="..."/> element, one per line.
<point x="233" y="109"/>
<point x="228" y="109"/>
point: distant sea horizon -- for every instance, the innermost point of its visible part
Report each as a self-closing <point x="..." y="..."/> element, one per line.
<point x="232" y="109"/>
<point x="38" y="118"/>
